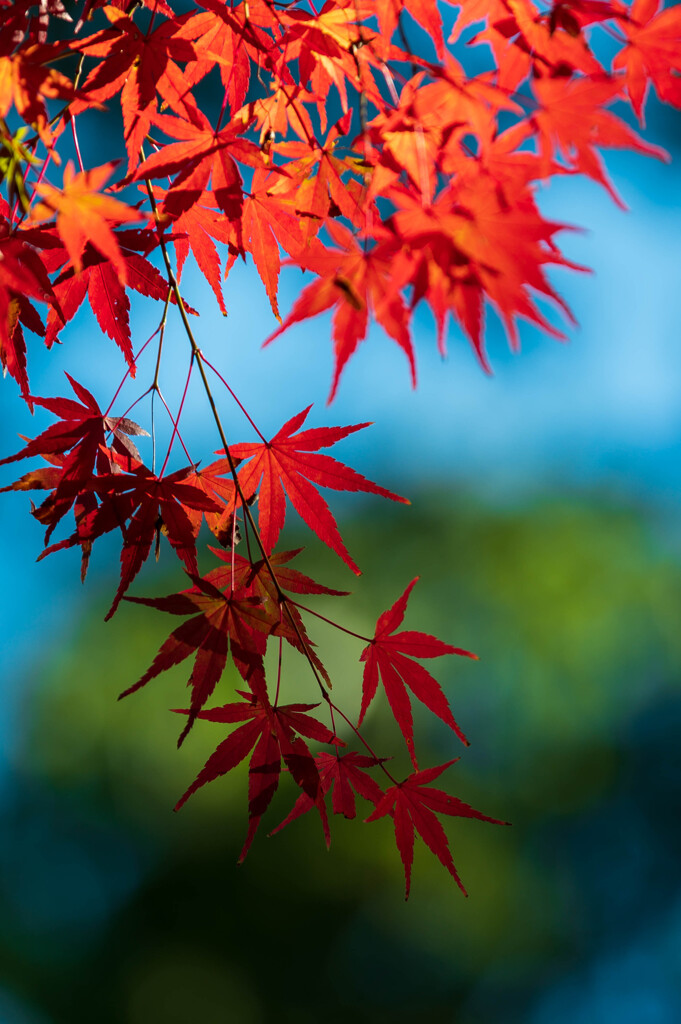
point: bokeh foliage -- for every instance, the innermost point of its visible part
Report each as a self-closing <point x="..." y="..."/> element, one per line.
<point x="114" y="909"/>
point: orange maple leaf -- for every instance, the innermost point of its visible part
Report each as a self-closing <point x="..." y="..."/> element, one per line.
<point x="652" y="54"/>
<point x="571" y="121"/>
<point x="85" y="215"/>
<point x="26" y="81"/>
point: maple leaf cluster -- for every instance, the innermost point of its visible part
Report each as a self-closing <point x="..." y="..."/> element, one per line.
<point x="382" y="169"/>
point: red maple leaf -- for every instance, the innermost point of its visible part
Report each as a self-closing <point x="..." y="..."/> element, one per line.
<point x="652" y="54"/>
<point x="317" y="192"/>
<point x="45" y="479"/>
<point x="142" y="505"/>
<point x="26" y="81"/>
<point x="229" y="38"/>
<point x="285" y="108"/>
<point x="22" y="277"/>
<point x="159" y="505"/>
<point x="524" y="41"/>
<point x="573" y="15"/>
<point x="269" y="220"/>
<point x="99" y="280"/>
<point x="288" y="465"/>
<point x="325" y="46"/>
<point x="472" y="243"/>
<point x="571" y="121"/>
<point x="242" y="572"/>
<point x="85" y="215"/>
<point x="257" y="579"/>
<point x="78" y="442"/>
<point x="194" y="229"/>
<point x="413" y="806"/>
<point x="425" y="12"/>
<point x="390" y="656"/>
<point x="473" y="11"/>
<point x="136" y="65"/>
<point x="234" y="623"/>
<point x="357" y="282"/>
<point x="200" y="155"/>
<point x="275" y="733"/>
<point x="343" y="776"/>
<point x="221" y="489"/>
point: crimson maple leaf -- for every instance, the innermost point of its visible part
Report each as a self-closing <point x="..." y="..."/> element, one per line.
<point x="273" y="733"/>
<point x="413" y="806"/>
<point x="82" y="434"/>
<point x="221" y="489"/>
<point x="234" y="623"/>
<point x="288" y="465"/>
<point x="45" y="479"/>
<point x="390" y="656"/>
<point x="22" y="275"/>
<point x="264" y="581"/>
<point x="20" y="21"/>
<point x="142" y="505"/>
<point x="343" y="775"/>
<point x="241" y="572"/>
<point x="573" y="15"/>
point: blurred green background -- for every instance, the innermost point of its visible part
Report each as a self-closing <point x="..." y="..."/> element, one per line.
<point x="114" y="909"/>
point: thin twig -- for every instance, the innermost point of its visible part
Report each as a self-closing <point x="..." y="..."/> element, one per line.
<point x="281" y="596"/>
<point x="336" y="625"/>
